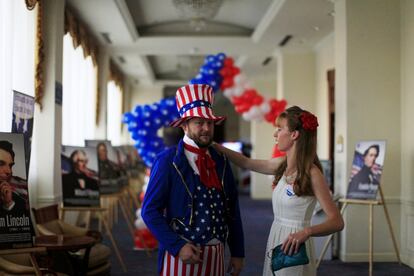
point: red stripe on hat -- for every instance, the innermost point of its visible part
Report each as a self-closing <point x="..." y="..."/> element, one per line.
<point x="185" y="95"/>
<point x="210" y="94"/>
<point x="196" y="89"/>
<point x="190" y="97"/>
<point x="203" y="112"/>
<point x="180" y="98"/>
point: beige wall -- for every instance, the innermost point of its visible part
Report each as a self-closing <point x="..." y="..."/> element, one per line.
<point x="146" y="94"/>
<point x="262" y="137"/>
<point x="296" y="79"/>
<point x="368" y="108"/>
<point x="407" y="132"/>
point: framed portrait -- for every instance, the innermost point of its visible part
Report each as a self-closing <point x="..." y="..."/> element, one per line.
<point x="16" y="228"/>
<point x="80" y="181"/>
<point x="110" y="174"/>
<point x="366" y="171"/>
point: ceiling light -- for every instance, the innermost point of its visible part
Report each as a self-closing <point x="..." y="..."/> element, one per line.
<point x="285" y="40"/>
<point x="197" y="11"/>
<point x="106" y="37"/>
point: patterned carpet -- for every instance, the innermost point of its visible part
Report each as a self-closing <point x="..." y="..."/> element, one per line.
<point x="257" y="218"/>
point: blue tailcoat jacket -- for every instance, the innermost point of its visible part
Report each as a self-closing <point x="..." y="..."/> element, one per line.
<point x="169" y="197"/>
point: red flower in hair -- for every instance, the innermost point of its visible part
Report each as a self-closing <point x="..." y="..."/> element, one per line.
<point x="309" y="121"/>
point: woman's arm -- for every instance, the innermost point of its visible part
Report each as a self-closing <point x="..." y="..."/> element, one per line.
<point x="260" y="166"/>
<point x="333" y="222"/>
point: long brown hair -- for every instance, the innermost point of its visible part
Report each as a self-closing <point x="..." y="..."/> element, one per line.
<point x="305" y="154"/>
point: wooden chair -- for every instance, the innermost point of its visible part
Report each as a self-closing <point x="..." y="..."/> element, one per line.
<point x="48" y="223"/>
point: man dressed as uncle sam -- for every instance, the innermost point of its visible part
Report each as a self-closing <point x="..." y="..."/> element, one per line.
<point x="191" y="203"/>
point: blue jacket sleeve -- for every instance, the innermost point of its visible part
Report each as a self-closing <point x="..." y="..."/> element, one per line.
<point x="236" y="237"/>
<point x="155" y="202"/>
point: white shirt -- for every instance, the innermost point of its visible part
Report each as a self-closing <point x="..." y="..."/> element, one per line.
<point x="191" y="156"/>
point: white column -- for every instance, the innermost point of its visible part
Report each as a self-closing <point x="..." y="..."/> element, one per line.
<point x="47" y="136"/>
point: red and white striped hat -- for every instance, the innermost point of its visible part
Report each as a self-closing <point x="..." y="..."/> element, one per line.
<point x="195" y="100"/>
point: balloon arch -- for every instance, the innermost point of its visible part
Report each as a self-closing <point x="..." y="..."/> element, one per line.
<point x="220" y="73"/>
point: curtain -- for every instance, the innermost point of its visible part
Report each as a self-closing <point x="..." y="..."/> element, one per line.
<point x="17" y="56"/>
<point x="79" y="94"/>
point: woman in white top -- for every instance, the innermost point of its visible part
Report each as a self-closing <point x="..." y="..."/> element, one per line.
<point x="298" y="183"/>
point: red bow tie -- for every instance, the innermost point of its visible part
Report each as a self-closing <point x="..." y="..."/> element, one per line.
<point x="206" y="166"/>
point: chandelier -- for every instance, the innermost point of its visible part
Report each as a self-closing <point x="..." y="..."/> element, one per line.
<point x="197" y="11"/>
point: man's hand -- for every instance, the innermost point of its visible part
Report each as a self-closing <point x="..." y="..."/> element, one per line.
<point x="190" y="254"/>
<point x="235" y="266"/>
<point x="6" y="194"/>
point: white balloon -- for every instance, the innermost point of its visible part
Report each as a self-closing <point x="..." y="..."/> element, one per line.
<point x="265" y="107"/>
<point x="246" y="116"/>
<point x="144" y="187"/>
<point x="238" y="90"/>
<point x="140" y="224"/>
<point x="138" y="213"/>
<point x="228" y="93"/>
<point x="240" y="80"/>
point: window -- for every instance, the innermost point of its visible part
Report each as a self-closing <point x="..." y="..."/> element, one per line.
<point x="114" y="113"/>
<point x="17" y="51"/>
<point x="79" y="95"/>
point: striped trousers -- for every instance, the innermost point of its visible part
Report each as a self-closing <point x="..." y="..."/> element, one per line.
<point x="212" y="257"/>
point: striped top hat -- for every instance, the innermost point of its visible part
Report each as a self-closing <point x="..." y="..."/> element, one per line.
<point x="195" y="100"/>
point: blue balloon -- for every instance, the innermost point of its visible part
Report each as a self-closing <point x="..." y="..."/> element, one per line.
<point x="221" y="56"/>
<point x="145" y="120"/>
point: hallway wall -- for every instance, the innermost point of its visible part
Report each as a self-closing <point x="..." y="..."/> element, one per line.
<point x="407" y="132"/>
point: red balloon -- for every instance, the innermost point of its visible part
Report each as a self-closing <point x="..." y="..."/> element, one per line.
<point x="242" y="108"/>
<point x="235" y="71"/>
<point x="276" y="107"/>
<point x="276" y="152"/>
<point x="228" y="62"/>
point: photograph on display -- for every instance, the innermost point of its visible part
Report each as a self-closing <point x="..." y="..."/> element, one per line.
<point x="23" y="112"/>
<point x="121" y="158"/>
<point x="80" y="182"/>
<point x="366" y="170"/>
<point x="108" y="169"/>
<point x="16" y="229"/>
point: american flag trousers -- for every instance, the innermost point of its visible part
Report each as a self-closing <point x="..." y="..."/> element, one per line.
<point x="212" y="257"/>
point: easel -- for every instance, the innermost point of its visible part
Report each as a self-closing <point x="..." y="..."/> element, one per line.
<point x="370" y="204"/>
<point x="115" y="198"/>
<point x="99" y="211"/>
